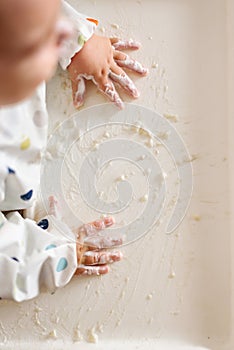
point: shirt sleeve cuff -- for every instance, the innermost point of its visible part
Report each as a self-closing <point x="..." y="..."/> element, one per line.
<point x="83" y="28"/>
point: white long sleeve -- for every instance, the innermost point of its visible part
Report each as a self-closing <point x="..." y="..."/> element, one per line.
<point x="83" y="29"/>
<point x="32" y="254"/>
<point x="23" y="135"/>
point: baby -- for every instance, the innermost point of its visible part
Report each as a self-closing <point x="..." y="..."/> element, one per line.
<point x="33" y="37"/>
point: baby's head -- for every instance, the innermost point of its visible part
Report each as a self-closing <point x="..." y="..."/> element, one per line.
<point x="31" y="33"/>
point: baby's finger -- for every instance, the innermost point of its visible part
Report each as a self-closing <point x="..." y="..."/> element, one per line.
<point x="54" y="208"/>
<point x="109" y="91"/>
<point x="125" y="82"/>
<point x="103" y="223"/>
<point x="101" y="242"/>
<point x="78" y="90"/>
<point x="99" y="258"/>
<point x="98" y="225"/>
<point x="125" y="44"/>
<point x="92" y="270"/>
<point x="129" y="63"/>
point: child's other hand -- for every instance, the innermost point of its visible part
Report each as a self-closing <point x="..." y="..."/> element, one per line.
<point x="92" y="258"/>
<point x="100" y="61"/>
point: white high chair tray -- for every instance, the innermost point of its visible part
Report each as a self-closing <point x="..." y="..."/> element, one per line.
<point x="171" y="291"/>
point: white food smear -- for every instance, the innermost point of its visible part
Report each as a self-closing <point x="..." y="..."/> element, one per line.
<point x="171" y="117"/>
<point x="48" y="155"/>
<point x="95" y="145"/>
<point x="155" y="65"/>
<point x="151" y="320"/>
<point x="36" y="318"/>
<point x="108" y="178"/>
<point x="149" y="296"/>
<point x="196" y="217"/>
<point x="150" y="143"/>
<point x="115" y="25"/>
<point x="121" y="178"/>
<point x="171" y="275"/>
<point x="142" y="157"/>
<point x="102" y="29"/>
<point x="55" y="319"/>
<point x="53" y="334"/>
<point x="92" y="337"/>
<point x="191" y="159"/>
<point x="79" y="95"/>
<point x="77" y="336"/>
<point x="134" y="65"/>
<point x="112" y="94"/>
<point x="107" y="135"/>
<point x="100" y="328"/>
<point x="194" y="157"/>
<point x="118" y="323"/>
<point x="144" y="132"/>
<point x="125" y="82"/>
<point x="164" y="135"/>
<point x="144" y="198"/>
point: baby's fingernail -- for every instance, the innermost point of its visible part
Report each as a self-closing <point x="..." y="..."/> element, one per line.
<point x="117" y="256"/>
<point x="99" y="224"/>
<point x="119" y="104"/>
<point x="135" y="93"/>
<point x="121" y="255"/>
<point x="145" y="71"/>
<point x="78" y="102"/>
<point x="109" y="221"/>
<point x="103" y="270"/>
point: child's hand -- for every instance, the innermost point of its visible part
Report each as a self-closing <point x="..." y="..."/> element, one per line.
<point x="92" y="258"/>
<point x="100" y="60"/>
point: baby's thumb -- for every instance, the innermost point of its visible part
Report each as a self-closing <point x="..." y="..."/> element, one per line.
<point x="78" y="91"/>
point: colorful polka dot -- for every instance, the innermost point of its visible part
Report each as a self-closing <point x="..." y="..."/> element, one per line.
<point x="44" y="224"/>
<point x="11" y="171"/>
<point x="51" y="246"/>
<point x="95" y="21"/>
<point x="62" y="264"/>
<point x="25" y="144"/>
<point x="39" y="119"/>
<point x="27" y="195"/>
<point x="81" y="40"/>
<point x="15" y="258"/>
